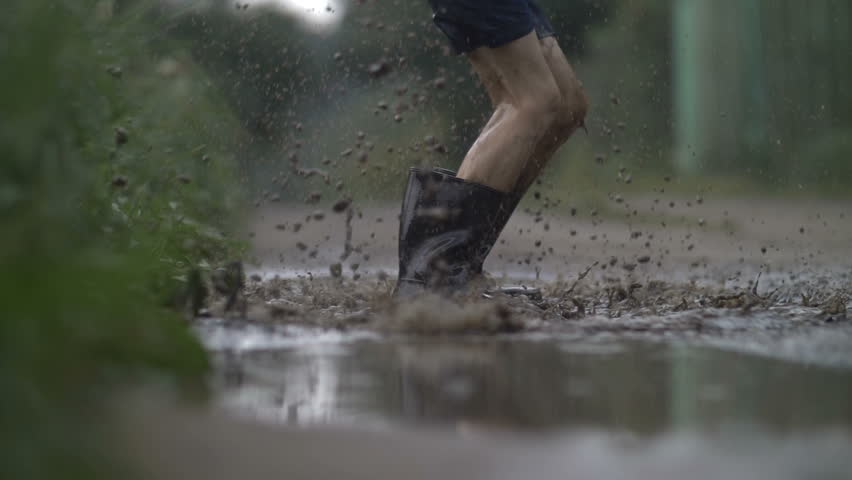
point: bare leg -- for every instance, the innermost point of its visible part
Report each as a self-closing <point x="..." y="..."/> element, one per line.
<point x="574" y="106"/>
<point x="527" y="104"/>
<point x="512" y="148"/>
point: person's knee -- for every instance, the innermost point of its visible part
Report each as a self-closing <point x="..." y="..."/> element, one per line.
<point x="543" y="105"/>
<point x="573" y="109"/>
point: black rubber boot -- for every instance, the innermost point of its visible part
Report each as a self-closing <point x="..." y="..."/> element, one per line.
<point x="501" y="216"/>
<point x="447" y="228"/>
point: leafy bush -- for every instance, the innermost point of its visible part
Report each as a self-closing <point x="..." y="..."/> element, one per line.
<point x="115" y="180"/>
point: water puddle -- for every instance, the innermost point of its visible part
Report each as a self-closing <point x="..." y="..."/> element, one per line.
<point x="532" y="383"/>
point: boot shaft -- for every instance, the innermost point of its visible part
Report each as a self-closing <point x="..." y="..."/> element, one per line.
<point x="447" y="227"/>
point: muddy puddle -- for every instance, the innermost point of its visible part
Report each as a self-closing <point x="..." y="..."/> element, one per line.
<point x="523" y="383"/>
<point x="631" y="354"/>
<point x="603" y="374"/>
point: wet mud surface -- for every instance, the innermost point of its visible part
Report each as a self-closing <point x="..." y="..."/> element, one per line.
<point x="711" y="269"/>
<point x="614" y="354"/>
<point x="226" y="448"/>
<point x="678" y="340"/>
<point x="591" y="304"/>
<point x="665" y="237"/>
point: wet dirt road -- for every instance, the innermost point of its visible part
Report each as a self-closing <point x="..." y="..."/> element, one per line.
<point x="718" y="239"/>
<point x="747" y="272"/>
<point x="657" y="345"/>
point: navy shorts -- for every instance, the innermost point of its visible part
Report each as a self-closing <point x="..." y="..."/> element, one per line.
<point x="470" y="24"/>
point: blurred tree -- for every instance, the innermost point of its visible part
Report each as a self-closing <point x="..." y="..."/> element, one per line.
<point x="762" y="89"/>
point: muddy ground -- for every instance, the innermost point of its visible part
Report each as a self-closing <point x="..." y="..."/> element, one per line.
<point x="770" y="278"/>
<point x="715" y="269"/>
<point x="678" y="238"/>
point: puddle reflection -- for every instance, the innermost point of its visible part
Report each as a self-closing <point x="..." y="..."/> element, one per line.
<point x="531" y="385"/>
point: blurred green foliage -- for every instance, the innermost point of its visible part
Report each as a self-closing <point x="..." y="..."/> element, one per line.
<point x="117" y="178"/>
<point x="304" y="94"/>
<point x="761" y="92"/>
<point x="308" y="96"/>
